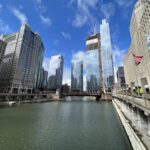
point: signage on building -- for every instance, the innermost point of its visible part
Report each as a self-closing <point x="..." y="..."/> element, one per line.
<point x="148" y="41"/>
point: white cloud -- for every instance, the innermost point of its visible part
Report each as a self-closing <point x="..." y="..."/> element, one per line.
<point x="66" y="35"/>
<point x="56" y="42"/>
<point x="124" y="3"/>
<point x="79" y="20"/>
<point x="1" y="6"/>
<point x="40" y="6"/>
<point x="115" y="34"/>
<point x="19" y="15"/>
<point x="51" y="64"/>
<point x="83" y="13"/>
<point x="4" y="28"/>
<point x="78" y="56"/>
<point x="46" y="63"/>
<point x="124" y="6"/>
<point x="54" y="63"/>
<point x="41" y="9"/>
<point x="118" y="55"/>
<point x="108" y="10"/>
<point x="67" y="76"/>
<point x="46" y="20"/>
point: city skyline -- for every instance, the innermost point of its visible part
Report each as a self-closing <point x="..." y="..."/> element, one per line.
<point x="75" y="74"/>
<point x="55" y="72"/>
<point x="65" y="34"/>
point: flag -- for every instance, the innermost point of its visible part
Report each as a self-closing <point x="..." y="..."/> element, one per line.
<point x="137" y="59"/>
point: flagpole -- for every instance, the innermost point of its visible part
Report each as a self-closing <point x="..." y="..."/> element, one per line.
<point x="135" y="68"/>
<point x="136" y="78"/>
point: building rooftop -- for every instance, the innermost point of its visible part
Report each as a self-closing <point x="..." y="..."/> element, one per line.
<point x="93" y="36"/>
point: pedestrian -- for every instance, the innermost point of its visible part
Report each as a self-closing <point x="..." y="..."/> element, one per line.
<point x="141" y="91"/>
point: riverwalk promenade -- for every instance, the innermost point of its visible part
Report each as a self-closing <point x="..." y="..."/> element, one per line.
<point x="134" y="112"/>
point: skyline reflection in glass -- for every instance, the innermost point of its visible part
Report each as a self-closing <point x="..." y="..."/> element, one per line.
<point x="92" y="70"/>
<point x="77" y="76"/>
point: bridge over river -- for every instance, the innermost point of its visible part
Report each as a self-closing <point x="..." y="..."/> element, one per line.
<point x="98" y="95"/>
<point x="95" y="94"/>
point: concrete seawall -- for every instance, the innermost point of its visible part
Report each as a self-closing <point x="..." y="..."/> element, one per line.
<point x="134" y="139"/>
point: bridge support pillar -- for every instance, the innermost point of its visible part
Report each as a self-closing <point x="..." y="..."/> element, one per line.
<point x="138" y="118"/>
<point x="98" y="98"/>
<point x="128" y="111"/>
<point x="125" y="108"/>
<point x="133" y="115"/>
<point x="7" y="98"/>
<point x="148" y="125"/>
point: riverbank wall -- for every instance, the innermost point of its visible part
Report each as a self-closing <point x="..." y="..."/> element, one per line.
<point x="12" y="100"/>
<point x="136" y="142"/>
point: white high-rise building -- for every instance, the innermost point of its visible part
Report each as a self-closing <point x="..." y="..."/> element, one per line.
<point x="106" y="56"/>
<point x="22" y="61"/>
<point x="140" y="46"/>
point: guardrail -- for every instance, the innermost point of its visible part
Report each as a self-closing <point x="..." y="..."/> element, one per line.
<point x="141" y="101"/>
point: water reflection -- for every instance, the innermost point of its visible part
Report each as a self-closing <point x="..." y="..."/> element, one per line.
<point x="78" y="98"/>
<point x="75" y="125"/>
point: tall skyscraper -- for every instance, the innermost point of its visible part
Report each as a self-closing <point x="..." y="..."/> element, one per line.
<point x="121" y="77"/>
<point x="52" y="82"/>
<point x="140" y="33"/>
<point x="106" y="56"/>
<point x="43" y="79"/>
<point x="93" y="63"/>
<point x="56" y="72"/>
<point x="22" y="61"/>
<point x="77" y="76"/>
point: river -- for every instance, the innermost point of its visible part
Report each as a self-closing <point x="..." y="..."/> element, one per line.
<point x="68" y="125"/>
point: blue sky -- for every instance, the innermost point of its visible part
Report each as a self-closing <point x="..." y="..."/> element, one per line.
<point x="65" y="24"/>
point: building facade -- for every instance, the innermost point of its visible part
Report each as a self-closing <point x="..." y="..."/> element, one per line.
<point x="22" y="61"/>
<point x="43" y="79"/>
<point x="93" y="63"/>
<point x="77" y="76"/>
<point x="56" y="72"/>
<point x="2" y="49"/>
<point x="65" y="88"/>
<point x="52" y="82"/>
<point x="121" y="77"/>
<point x="140" y="33"/>
<point x="106" y="56"/>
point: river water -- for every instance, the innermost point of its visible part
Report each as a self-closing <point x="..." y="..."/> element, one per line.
<point x="70" y="125"/>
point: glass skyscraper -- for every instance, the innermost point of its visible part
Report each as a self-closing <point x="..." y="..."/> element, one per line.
<point x="77" y="76"/>
<point x="93" y="63"/>
<point x="56" y="72"/>
<point x="92" y="70"/>
<point x="106" y="56"/>
<point x="43" y="79"/>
